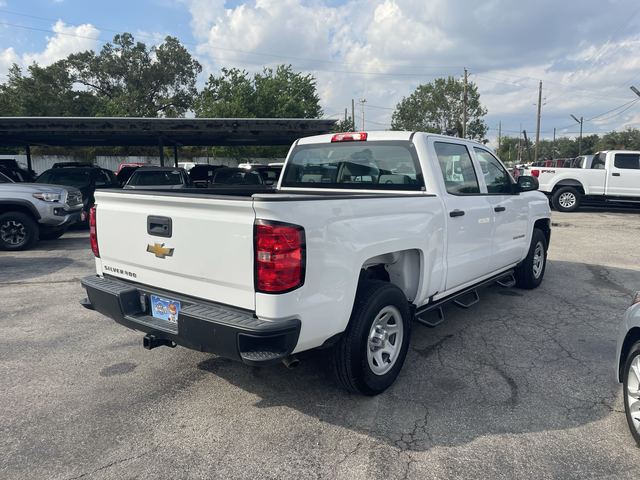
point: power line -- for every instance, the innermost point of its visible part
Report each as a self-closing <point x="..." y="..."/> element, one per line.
<point x="347" y="72"/>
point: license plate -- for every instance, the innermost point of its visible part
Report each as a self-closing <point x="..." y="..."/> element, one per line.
<point x="165" y="309"/>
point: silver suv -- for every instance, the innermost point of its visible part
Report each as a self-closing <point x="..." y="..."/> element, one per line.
<point x="33" y="211"/>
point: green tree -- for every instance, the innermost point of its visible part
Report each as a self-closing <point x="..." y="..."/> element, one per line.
<point x="625" y="140"/>
<point x="279" y="93"/>
<point x="345" y="125"/>
<point x="133" y="80"/>
<point x="508" y="151"/>
<point x="44" y="91"/>
<point x="438" y="107"/>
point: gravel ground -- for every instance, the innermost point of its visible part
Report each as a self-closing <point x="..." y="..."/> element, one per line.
<point x="519" y="386"/>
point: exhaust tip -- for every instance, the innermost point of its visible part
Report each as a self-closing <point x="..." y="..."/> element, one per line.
<point x="291" y="362"/>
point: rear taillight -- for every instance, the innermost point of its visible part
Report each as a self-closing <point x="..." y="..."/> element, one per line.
<point x="93" y="232"/>
<point x="279" y="256"/>
<point x="349" y="137"/>
<point x="535" y="173"/>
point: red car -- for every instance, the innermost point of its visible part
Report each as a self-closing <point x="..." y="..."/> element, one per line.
<point x="133" y="164"/>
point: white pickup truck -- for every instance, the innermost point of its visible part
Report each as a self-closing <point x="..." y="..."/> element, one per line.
<point x="363" y="233"/>
<point x="612" y="176"/>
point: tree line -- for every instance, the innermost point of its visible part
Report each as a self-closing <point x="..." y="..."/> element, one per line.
<point x="130" y="79"/>
<point x="515" y="149"/>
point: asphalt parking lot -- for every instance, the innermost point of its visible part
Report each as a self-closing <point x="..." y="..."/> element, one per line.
<point x="519" y="386"/>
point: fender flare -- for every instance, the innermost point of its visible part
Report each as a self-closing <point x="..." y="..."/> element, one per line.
<point x="22" y="204"/>
<point x="569" y="182"/>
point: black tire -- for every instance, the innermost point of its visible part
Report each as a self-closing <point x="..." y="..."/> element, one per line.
<point x="51" y="233"/>
<point x="633" y="353"/>
<point x="349" y="356"/>
<point x="528" y="275"/>
<point x="18" y="231"/>
<point x="566" y="199"/>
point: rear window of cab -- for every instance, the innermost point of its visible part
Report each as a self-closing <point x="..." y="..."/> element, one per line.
<point x="391" y="165"/>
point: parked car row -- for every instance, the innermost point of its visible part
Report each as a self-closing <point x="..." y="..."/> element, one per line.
<point x="67" y="190"/>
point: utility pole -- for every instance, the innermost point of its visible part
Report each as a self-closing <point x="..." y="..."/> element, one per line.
<point x="526" y="144"/>
<point x="499" y="134"/>
<point x="345" y="116"/>
<point x="520" y="144"/>
<point x="362" y="102"/>
<point x="353" y="113"/>
<point x="464" y="106"/>
<point x="581" y="121"/>
<point x="537" y="149"/>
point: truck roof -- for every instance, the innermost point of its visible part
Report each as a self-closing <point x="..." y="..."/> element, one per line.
<point x="381" y="135"/>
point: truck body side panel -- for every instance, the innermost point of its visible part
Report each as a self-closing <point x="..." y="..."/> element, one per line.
<point x="341" y="236"/>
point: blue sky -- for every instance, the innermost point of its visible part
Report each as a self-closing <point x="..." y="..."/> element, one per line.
<point x="586" y="52"/>
<point x="164" y="16"/>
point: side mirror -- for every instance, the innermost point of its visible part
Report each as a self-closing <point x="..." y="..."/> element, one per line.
<point x="527" y="183"/>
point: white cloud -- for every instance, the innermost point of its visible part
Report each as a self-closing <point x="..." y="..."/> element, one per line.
<point x="67" y="39"/>
<point x="585" y="56"/>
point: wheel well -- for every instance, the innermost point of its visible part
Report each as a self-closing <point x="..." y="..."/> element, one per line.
<point x="401" y="268"/>
<point x="9" y="207"/>
<point x="632" y="337"/>
<point x="569" y="183"/>
<point x="544" y="224"/>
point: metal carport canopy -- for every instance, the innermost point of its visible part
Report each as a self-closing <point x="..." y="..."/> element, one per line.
<point x="125" y="131"/>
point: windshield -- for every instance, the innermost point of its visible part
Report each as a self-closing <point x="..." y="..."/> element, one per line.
<point x="70" y="178"/>
<point x="355" y="165"/>
<point x="155" y="177"/>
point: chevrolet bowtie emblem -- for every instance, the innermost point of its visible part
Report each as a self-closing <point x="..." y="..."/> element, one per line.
<point x="159" y="250"/>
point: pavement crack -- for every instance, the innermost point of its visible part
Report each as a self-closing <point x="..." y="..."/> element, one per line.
<point x="111" y="464"/>
<point x="430" y="349"/>
<point x="603" y="276"/>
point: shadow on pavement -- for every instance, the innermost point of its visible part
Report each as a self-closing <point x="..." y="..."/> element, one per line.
<point x="523" y="361"/>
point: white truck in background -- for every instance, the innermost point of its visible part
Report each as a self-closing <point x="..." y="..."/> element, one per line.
<point x="364" y="233"/>
<point x="612" y="176"/>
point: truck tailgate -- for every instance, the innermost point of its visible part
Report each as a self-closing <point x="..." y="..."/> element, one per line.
<point x="209" y="254"/>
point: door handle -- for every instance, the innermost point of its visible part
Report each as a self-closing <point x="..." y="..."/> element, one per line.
<point x="456" y="213"/>
<point x="615" y="174"/>
<point x="499" y="209"/>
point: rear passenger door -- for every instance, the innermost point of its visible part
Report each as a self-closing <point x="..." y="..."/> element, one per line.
<point x="469" y="228"/>
<point x="624" y="175"/>
<point x="509" y="210"/>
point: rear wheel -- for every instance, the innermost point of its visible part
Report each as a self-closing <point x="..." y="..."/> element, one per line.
<point x="18" y="231"/>
<point x="631" y="389"/>
<point x="530" y="272"/>
<point x="370" y="354"/>
<point x="566" y="199"/>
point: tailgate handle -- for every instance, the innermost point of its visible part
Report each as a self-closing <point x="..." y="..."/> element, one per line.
<point x="159" y="226"/>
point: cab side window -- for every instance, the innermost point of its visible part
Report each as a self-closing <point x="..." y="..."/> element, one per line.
<point x="495" y="176"/>
<point x="102" y="179"/>
<point x="627" y="161"/>
<point x="457" y="168"/>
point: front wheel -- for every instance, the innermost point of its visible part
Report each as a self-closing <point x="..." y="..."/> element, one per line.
<point x="370" y="354"/>
<point x="18" y="231"/>
<point x="566" y="199"/>
<point x="530" y="272"/>
<point x="631" y="389"/>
